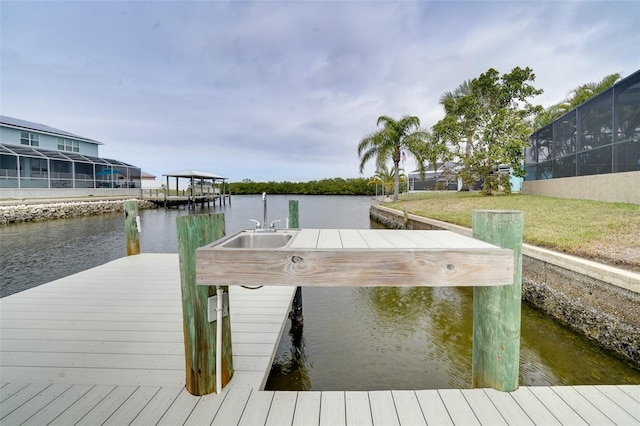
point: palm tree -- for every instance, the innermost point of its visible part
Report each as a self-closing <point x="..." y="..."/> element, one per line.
<point x="386" y="178"/>
<point x="588" y="90"/>
<point x="395" y="137"/>
<point x="461" y="91"/>
<point x="549" y="114"/>
<point x="575" y="97"/>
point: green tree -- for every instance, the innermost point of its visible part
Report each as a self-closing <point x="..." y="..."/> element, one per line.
<point x="390" y="141"/>
<point x="451" y="100"/>
<point x="489" y="126"/>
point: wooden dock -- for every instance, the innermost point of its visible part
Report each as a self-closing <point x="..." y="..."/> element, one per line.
<point x="105" y="346"/>
<point x="188" y="200"/>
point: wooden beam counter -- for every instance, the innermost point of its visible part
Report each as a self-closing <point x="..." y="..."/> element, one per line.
<point x="359" y="257"/>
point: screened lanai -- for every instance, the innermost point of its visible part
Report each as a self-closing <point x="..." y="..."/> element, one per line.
<point x="29" y="167"/>
<point x="600" y="136"/>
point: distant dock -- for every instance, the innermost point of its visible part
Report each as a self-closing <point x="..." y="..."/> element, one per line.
<point x="187" y="200"/>
<point x="105" y="346"/>
<point x="204" y="188"/>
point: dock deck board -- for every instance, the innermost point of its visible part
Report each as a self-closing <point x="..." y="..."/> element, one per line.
<point x="77" y="351"/>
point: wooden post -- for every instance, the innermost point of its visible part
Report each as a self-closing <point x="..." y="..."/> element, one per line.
<point x="131" y="227"/>
<point x="406" y="218"/>
<point x="496" y="310"/>
<point x="297" y="320"/>
<point x="294" y="221"/>
<point x="199" y="334"/>
<point x="166" y="194"/>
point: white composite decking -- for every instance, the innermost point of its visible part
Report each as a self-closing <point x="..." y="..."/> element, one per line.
<point x="66" y="404"/>
<point x="105" y="347"/>
<point x="121" y="324"/>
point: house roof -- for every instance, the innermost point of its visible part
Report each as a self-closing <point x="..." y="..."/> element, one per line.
<point x="194" y="174"/>
<point x="16" y="123"/>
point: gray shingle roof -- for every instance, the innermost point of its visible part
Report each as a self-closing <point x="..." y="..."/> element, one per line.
<point x="29" y="125"/>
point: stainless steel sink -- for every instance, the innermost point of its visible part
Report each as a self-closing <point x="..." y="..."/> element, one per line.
<point x="258" y="240"/>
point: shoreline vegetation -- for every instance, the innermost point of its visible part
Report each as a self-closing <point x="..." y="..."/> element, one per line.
<point x="334" y="186"/>
<point x="604" y="232"/>
<point x="608" y="233"/>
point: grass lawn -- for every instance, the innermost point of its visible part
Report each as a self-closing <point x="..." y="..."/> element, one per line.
<point x="606" y="232"/>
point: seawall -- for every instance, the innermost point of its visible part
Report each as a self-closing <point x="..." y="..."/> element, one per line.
<point x="28" y="212"/>
<point x="595" y="300"/>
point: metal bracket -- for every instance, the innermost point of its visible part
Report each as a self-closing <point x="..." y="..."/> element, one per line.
<point x="213" y="302"/>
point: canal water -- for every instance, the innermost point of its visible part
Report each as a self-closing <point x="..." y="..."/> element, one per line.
<point x="353" y="338"/>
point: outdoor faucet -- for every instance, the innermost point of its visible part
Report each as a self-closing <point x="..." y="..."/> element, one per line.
<point x="264" y="203"/>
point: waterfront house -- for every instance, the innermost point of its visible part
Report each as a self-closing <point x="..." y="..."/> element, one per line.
<point x="37" y="160"/>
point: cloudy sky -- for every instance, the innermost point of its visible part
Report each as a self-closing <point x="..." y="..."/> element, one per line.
<point x="283" y="90"/>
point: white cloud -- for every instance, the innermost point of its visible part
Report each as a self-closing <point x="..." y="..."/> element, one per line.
<point x="283" y="90"/>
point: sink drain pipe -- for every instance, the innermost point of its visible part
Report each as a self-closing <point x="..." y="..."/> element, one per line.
<point x="219" y="293"/>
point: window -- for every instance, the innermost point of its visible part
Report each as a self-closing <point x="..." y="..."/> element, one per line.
<point x="68" y="145"/>
<point x="28" y="138"/>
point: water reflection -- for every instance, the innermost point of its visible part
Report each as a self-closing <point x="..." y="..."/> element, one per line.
<point x="550" y="353"/>
<point x="434" y="324"/>
<point x="421" y="338"/>
<point x="291" y="362"/>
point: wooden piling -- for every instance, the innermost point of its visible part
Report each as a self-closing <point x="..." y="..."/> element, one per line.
<point x="131" y="227"/>
<point x="199" y="334"/>
<point x="294" y="221"/>
<point x="406" y="218"/>
<point x="496" y="310"/>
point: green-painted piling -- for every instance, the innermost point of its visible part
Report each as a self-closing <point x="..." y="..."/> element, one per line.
<point x="131" y="227"/>
<point x="496" y="310"/>
<point x="294" y="221"/>
<point x="406" y="218"/>
<point x="199" y="334"/>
